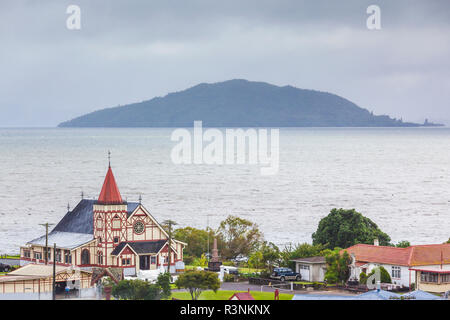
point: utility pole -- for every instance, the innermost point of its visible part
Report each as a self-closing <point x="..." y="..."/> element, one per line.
<point x="46" y="240"/>
<point x="54" y="272"/>
<point x="207" y="230"/>
<point x="169" y="224"/>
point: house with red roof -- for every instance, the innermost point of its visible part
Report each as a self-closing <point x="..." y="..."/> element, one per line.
<point x="401" y="263"/>
<point x="107" y="232"/>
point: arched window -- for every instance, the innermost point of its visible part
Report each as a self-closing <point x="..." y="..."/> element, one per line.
<point x="85" y="257"/>
<point x="99" y="223"/>
<point x="100" y="257"/>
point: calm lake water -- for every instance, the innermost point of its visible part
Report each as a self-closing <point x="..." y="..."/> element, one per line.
<point x="399" y="178"/>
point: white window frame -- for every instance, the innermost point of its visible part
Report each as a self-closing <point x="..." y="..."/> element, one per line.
<point x="396" y="272"/>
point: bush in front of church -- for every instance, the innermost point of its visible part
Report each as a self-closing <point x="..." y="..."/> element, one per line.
<point x="142" y="290"/>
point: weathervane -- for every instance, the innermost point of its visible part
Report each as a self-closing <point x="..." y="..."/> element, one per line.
<point x="140" y="199"/>
<point x="82" y="195"/>
<point x="68" y="206"/>
<point x="109" y="158"/>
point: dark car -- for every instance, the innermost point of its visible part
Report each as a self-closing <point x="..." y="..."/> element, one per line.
<point x="5" y="267"/>
<point x="285" y="274"/>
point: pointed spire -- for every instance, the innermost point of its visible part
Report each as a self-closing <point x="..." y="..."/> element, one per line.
<point x="110" y="192"/>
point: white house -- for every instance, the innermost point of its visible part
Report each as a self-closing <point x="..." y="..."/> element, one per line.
<point x="399" y="262"/>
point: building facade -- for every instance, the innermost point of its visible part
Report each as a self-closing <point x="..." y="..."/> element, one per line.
<point x="432" y="280"/>
<point x="108" y="233"/>
<point x="401" y="263"/>
<point x="311" y="268"/>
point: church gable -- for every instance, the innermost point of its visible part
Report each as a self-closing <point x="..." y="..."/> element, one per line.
<point x="143" y="227"/>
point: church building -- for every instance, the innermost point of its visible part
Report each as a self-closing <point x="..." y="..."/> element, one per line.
<point x="107" y="233"/>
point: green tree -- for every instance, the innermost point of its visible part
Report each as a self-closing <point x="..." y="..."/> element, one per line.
<point x="197" y="281"/>
<point x="239" y="237"/>
<point x="270" y="254"/>
<point x="384" y="274"/>
<point x="201" y="262"/>
<point x="403" y="244"/>
<point x="448" y="240"/>
<point x="256" y="260"/>
<point x="123" y="290"/>
<point x="338" y="270"/>
<point x="345" y="228"/>
<point x="163" y="282"/>
<point x="196" y="239"/>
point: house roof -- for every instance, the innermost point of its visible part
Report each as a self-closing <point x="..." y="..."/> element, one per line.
<point x="38" y="270"/>
<point x="318" y="260"/>
<point x="242" y="296"/>
<point x="378" y="295"/>
<point x="312" y="296"/>
<point x="81" y="218"/>
<point x="433" y="254"/>
<point x="371" y="295"/>
<point x="422" y="295"/>
<point x="66" y="240"/>
<point x="141" y="247"/>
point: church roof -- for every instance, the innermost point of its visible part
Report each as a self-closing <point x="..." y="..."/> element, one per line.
<point x="66" y="240"/>
<point x="110" y="192"/>
<point x="141" y="247"/>
<point x="81" y="218"/>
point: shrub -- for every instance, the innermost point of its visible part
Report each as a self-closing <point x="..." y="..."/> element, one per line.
<point x="188" y="259"/>
<point x="228" y="278"/>
<point x="363" y="278"/>
<point x="384" y="274"/>
<point x="228" y="263"/>
<point x="138" y="290"/>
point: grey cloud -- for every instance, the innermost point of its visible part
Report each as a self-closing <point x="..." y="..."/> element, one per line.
<point x="133" y="50"/>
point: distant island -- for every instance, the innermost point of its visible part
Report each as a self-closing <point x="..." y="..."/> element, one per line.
<point x="240" y="103"/>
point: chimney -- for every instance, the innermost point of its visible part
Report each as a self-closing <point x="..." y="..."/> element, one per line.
<point x="376" y="242"/>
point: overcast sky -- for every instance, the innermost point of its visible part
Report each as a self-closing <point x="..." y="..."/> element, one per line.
<point x="128" y="51"/>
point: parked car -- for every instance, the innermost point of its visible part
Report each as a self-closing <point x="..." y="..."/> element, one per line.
<point x="284" y="274"/>
<point x="230" y="270"/>
<point x="5" y="267"/>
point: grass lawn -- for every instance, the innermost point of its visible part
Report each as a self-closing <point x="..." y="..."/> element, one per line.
<point x="189" y="267"/>
<point x="226" y="294"/>
<point x="11" y="257"/>
<point x="249" y="270"/>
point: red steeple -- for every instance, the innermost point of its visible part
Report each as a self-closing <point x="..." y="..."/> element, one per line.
<point x="110" y="192"/>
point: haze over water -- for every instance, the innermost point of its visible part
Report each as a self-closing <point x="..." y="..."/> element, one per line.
<point x="398" y="177"/>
